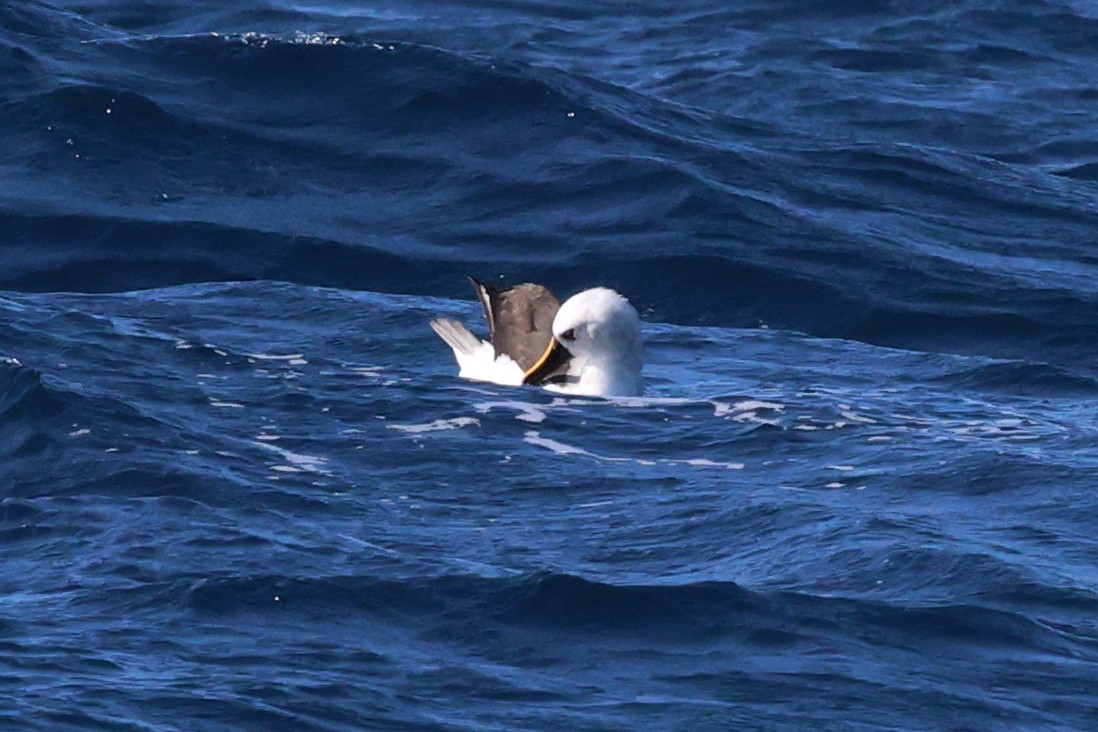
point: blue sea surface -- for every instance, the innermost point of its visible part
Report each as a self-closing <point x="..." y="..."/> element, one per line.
<point x="244" y="489"/>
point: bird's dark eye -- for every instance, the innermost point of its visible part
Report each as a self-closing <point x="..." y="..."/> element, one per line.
<point x="568" y="335"/>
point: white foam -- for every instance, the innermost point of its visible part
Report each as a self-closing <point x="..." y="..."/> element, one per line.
<point x="298" y="462"/>
<point x="525" y="412"/>
<point x="437" y="425"/>
<point x="534" y="437"/>
<point x="748" y="411"/>
<point x="707" y="463"/>
<point x="722" y="409"/>
<point x="275" y="356"/>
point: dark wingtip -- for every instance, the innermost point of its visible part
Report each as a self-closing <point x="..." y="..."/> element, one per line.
<point x="482" y="288"/>
<point x="485" y="297"/>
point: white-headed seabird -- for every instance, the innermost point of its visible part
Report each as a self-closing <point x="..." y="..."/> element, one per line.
<point x="590" y="345"/>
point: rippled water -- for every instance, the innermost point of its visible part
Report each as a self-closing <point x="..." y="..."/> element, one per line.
<point x="244" y="489"/>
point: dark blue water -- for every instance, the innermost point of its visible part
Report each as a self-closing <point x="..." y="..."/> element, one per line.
<point x="242" y="488"/>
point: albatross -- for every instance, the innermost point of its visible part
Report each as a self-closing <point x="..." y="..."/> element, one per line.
<point x="589" y="345"/>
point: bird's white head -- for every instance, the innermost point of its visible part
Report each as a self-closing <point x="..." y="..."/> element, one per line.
<point x="596" y="347"/>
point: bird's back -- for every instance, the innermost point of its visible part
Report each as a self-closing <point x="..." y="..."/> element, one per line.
<point x="520" y="319"/>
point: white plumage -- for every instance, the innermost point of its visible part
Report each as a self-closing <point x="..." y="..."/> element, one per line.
<point x="595" y="349"/>
<point x="477" y="359"/>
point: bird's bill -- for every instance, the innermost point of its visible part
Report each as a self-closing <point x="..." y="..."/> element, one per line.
<point x="554" y="362"/>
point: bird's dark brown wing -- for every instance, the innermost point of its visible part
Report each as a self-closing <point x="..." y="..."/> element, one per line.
<point x="520" y="319"/>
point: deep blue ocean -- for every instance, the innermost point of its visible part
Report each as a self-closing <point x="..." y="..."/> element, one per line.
<point x="242" y="487"/>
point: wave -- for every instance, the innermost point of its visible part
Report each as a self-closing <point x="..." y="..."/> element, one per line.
<point x="676" y="614"/>
<point x="1034" y="379"/>
<point x="27" y="409"/>
<point x="109" y="254"/>
<point x="401" y="166"/>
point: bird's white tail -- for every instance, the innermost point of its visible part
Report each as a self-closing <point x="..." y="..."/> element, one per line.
<point x="457" y="336"/>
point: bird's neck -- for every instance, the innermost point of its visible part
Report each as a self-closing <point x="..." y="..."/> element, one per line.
<point x="617" y="376"/>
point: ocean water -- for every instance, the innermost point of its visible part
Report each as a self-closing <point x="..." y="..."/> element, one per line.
<point x="243" y="488"/>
